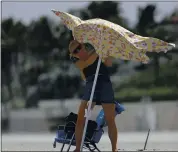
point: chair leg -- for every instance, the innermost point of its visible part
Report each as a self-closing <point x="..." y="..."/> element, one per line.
<point x="91" y="149"/>
<point x="96" y="147"/>
<point x="71" y="142"/>
<point x="63" y="144"/>
<point x="88" y="146"/>
<point x="54" y="144"/>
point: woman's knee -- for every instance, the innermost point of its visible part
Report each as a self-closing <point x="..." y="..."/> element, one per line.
<point x="84" y="105"/>
<point x="109" y="112"/>
<point x="81" y="111"/>
<point x="110" y="121"/>
<point x="80" y="120"/>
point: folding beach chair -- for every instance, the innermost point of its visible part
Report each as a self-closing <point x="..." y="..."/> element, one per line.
<point x="66" y="133"/>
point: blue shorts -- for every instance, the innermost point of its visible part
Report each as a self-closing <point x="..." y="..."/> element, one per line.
<point x="103" y="90"/>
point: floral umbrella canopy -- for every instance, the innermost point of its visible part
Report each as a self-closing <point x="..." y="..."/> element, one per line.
<point x="112" y="40"/>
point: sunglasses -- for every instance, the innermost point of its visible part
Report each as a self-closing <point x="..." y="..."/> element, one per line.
<point x="74" y="59"/>
<point x="77" y="50"/>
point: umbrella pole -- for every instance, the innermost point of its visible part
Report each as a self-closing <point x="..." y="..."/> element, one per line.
<point x="88" y="113"/>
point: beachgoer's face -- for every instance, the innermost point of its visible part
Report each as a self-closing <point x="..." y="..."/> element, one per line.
<point x="78" y="50"/>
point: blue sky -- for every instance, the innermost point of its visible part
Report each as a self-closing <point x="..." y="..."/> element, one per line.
<point x="27" y="11"/>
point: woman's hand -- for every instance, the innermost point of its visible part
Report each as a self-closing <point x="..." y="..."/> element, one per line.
<point x="108" y="61"/>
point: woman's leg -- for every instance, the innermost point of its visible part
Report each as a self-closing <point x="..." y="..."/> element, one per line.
<point x="80" y="124"/>
<point x="109" y="112"/>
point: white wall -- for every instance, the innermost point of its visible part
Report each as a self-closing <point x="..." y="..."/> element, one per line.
<point x="166" y="116"/>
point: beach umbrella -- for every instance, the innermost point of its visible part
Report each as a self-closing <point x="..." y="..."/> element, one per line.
<point x="113" y="40"/>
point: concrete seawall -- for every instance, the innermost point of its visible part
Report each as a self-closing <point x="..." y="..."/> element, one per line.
<point x="137" y="117"/>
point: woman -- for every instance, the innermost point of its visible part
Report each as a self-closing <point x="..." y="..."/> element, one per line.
<point x="86" y="59"/>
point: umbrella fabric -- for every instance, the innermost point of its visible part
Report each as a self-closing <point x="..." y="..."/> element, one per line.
<point x="69" y="20"/>
<point x="112" y="40"/>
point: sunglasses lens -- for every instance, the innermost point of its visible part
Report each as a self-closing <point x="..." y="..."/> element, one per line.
<point x="77" y="50"/>
<point x="74" y="59"/>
